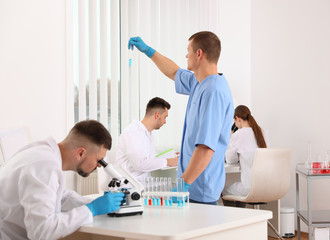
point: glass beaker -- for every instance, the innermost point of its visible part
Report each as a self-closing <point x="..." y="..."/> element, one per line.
<point x="325" y="164"/>
<point x="309" y="163"/>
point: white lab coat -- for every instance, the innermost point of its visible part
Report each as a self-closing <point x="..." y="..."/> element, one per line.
<point x="136" y="151"/>
<point x="241" y="150"/>
<point x="33" y="201"/>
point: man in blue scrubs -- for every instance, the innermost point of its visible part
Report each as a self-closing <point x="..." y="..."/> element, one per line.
<point x="209" y="114"/>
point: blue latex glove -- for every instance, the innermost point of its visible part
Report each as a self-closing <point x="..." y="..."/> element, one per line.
<point x="186" y="186"/>
<point x="107" y="203"/>
<point x="139" y="44"/>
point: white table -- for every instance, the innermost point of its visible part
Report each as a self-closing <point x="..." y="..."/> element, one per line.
<point x="196" y="221"/>
<point x="171" y="171"/>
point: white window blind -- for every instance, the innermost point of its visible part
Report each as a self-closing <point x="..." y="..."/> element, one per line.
<point x="93" y="62"/>
<point x="166" y="26"/>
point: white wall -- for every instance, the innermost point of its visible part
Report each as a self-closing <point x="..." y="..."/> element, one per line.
<point x="235" y="58"/>
<point x="32" y="67"/>
<point x="32" y="72"/>
<point x="291" y="80"/>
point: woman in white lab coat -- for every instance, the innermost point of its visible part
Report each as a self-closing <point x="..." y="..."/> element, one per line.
<point x="241" y="149"/>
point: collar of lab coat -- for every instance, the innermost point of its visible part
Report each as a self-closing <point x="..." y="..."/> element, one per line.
<point x="52" y="143"/>
<point x="141" y="126"/>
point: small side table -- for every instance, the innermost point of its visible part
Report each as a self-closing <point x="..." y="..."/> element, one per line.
<point x="309" y="217"/>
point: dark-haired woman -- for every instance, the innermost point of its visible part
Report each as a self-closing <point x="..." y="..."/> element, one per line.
<point x="241" y="148"/>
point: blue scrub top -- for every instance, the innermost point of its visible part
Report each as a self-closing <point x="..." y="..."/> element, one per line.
<point x="208" y="121"/>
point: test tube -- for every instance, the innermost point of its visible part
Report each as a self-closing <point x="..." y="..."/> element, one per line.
<point x="179" y="186"/>
<point x="183" y="190"/>
<point x="169" y="188"/>
<point x="165" y="190"/>
<point x="146" y="190"/>
<point x="129" y="57"/>
<point x="157" y="191"/>
<point x="150" y="190"/>
<point x="161" y="189"/>
<point x="154" y="202"/>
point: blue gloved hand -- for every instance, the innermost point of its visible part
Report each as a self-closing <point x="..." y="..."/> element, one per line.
<point x="107" y="203"/>
<point x="139" y="44"/>
<point x="186" y="186"/>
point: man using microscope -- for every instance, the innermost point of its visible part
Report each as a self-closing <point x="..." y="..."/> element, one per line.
<point x="34" y="203"/>
<point x="136" y="147"/>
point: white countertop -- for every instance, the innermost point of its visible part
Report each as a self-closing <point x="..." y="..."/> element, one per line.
<point x="175" y="223"/>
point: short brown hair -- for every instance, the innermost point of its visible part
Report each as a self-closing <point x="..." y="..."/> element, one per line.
<point x="209" y="43"/>
<point x="155" y="103"/>
<point x="93" y="131"/>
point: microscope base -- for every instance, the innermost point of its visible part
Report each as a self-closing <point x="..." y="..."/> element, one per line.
<point x="127" y="211"/>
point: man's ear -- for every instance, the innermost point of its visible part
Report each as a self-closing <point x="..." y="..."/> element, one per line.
<point x="157" y="115"/>
<point x="80" y="153"/>
<point x="200" y="53"/>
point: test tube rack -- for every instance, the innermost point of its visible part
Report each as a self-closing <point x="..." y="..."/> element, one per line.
<point x="165" y="199"/>
<point x="159" y="192"/>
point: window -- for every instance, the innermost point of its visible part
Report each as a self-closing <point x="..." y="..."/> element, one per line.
<point x="95" y="62"/>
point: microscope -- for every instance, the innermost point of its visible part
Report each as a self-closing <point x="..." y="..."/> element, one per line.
<point x="123" y="181"/>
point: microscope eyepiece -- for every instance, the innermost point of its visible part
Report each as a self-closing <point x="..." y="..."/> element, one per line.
<point x="103" y="163"/>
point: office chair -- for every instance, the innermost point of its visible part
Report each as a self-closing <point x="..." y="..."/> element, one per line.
<point x="270" y="179"/>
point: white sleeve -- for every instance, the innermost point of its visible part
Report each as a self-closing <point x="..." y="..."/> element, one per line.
<point x="72" y="199"/>
<point x="39" y="190"/>
<point x="231" y="153"/>
<point x="140" y="155"/>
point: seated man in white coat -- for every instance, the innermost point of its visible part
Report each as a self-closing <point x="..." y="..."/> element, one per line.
<point x="34" y="203"/>
<point x="136" y="147"/>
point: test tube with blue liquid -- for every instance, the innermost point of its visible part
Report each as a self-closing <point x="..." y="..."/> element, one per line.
<point x="154" y="190"/>
<point x="130" y="57"/>
<point x="169" y="188"/>
<point x="180" y="188"/>
<point x="157" y="185"/>
<point x="145" y="182"/>
<point x="165" y="190"/>
<point x="159" y="192"/>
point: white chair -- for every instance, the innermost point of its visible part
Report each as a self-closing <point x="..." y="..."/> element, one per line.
<point x="270" y="178"/>
<point x="11" y="140"/>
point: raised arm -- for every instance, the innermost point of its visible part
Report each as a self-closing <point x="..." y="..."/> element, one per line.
<point x="165" y="65"/>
